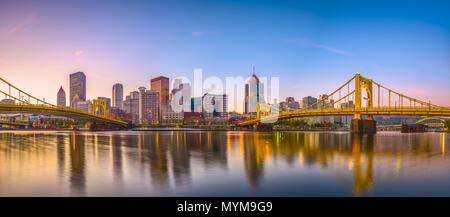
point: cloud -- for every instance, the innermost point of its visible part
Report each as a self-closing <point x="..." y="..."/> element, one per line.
<point x="308" y="43"/>
<point x="78" y="52"/>
<point x="26" y="21"/>
<point x="197" y="34"/>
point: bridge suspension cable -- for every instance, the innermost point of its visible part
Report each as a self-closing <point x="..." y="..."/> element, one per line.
<point x="351" y="99"/>
<point x="21" y="95"/>
<point x="24" y="102"/>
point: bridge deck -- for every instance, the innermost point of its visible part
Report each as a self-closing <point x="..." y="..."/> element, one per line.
<point x="397" y="111"/>
<point x="58" y="111"/>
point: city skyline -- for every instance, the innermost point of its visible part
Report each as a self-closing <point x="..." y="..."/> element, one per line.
<point x="316" y="42"/>
<point x="266" y="100"/>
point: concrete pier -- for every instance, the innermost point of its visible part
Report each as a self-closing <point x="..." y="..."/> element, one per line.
<point x="363" y="126"/>
<point x="413" y="128"/>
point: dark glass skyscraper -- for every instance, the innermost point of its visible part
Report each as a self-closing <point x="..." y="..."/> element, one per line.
<point x="77" y="87"/>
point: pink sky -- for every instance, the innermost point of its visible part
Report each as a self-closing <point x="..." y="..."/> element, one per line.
<point x="39" y="51"/>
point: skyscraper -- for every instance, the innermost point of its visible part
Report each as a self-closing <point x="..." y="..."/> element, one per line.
<point x="181" y="96"/>
<point x="289" y="105"/>
<point x="131" y="105"/>
<point x="307" y="101"/>
<point x="215" y="106"/>
<point x="77" y="87"/>
<point x="161" y="85"/>
<point x="327" y="103"/>
<point x="254" y="92"/>
<point x="148" y="105"/>
<point x="196" y="104"/>
<point x="61" y="98"/>
<point x="117" y="95"/>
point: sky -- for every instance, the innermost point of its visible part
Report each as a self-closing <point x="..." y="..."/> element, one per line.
<point x="312" y="46"/>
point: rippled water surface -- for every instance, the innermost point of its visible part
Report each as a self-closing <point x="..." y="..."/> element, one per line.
<point x="166" y="163"/>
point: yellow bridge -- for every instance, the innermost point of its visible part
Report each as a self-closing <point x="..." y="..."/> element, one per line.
<point x="421" y="121"/>
<point x="349" y="99"/>
<point x="18" y="101"/>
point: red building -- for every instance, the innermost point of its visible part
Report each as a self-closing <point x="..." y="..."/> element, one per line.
<point x="161" y="85"/>
<point x="192" y="115"/>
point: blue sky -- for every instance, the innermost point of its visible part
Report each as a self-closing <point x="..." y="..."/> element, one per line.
<point x="313" y="46"/>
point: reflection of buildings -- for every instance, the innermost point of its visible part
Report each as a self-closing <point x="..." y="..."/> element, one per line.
<point x="254" y="155"/>
<point x="159" y="170"/>
<point x="363" y="158"/>
<point x="211" y="147"/>
<point x="60" y="153"/>
<point x="116" y="149"/>
<point x="181" y="167"/>
<point x="77" y="158"/>
<point x="311" y="149"/>
<point x="174" y="157"/>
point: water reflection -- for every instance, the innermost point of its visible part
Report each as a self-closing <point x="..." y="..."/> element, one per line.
<point x="61" y="155"/>
<point x="216" y="163"/>
<point x="77" y="166"/>
<point x="180" y="161"/>
<point x="362" y="151"/>
<point x="116" y="152"/>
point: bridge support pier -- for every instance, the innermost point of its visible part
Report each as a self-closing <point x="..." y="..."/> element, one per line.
<point x="363" y="126"/>
<point x="97" y="127"/>
<point x="263" y="127"/>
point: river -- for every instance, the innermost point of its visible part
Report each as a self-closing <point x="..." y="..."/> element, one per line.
<point x="223" y="163"/>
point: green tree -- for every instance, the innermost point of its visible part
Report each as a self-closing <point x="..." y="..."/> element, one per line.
<point x="447" y="124"/>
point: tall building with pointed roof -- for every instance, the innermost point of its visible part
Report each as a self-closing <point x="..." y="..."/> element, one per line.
<point x="61" y="98"/>
<point x="254" y="92"/>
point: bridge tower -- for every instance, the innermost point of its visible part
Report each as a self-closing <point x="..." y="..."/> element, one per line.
<point x="359" y="125"/>
<point x="99" y="103"/>
<point x="258" y="112"/>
